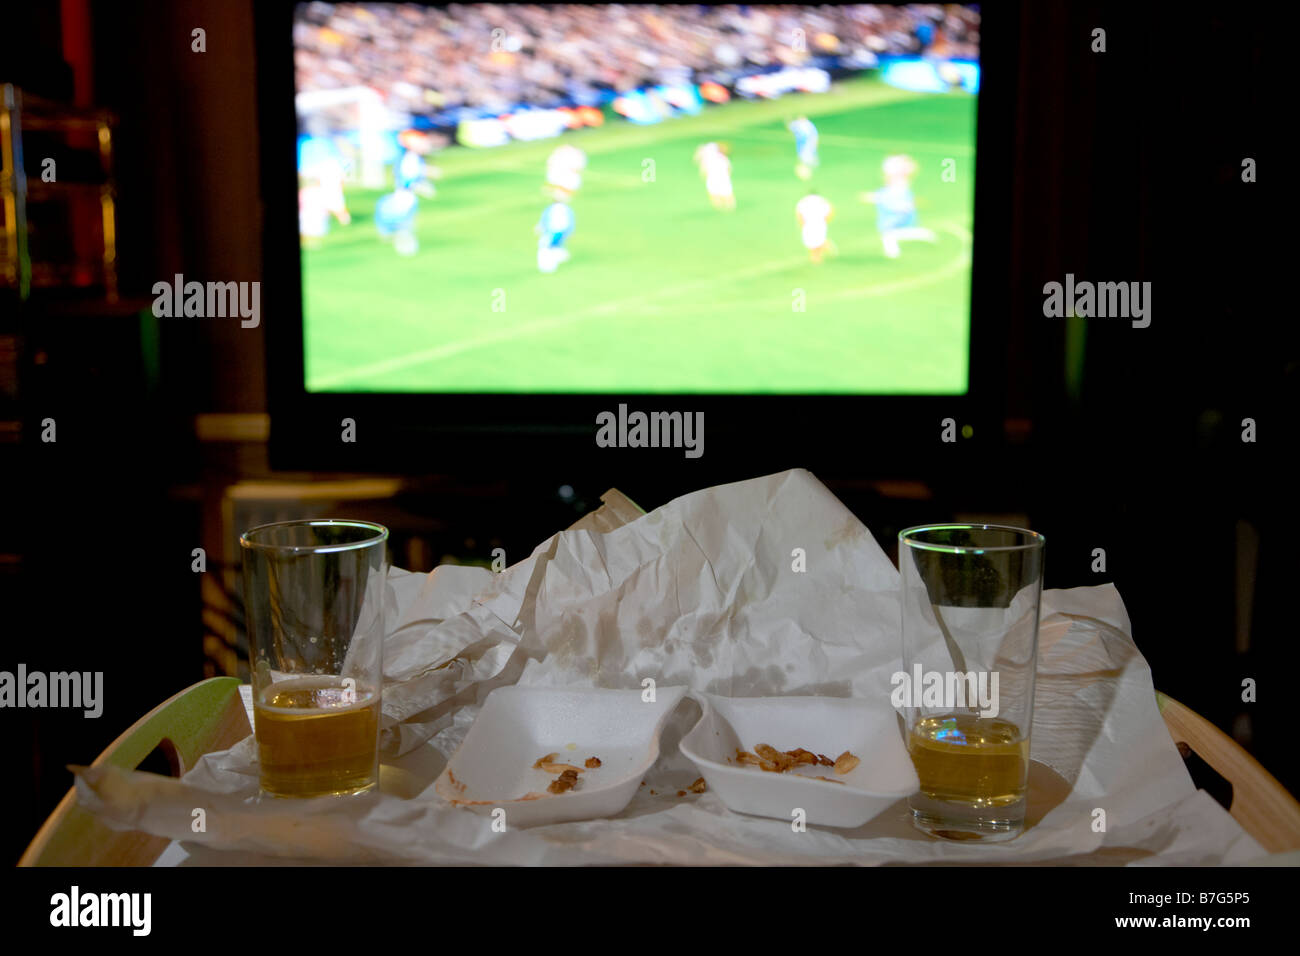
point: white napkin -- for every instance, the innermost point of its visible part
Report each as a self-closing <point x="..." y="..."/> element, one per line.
<point x="704" y="592"/>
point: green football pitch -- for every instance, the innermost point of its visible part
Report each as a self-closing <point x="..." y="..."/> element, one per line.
<point x="663" y="293"/>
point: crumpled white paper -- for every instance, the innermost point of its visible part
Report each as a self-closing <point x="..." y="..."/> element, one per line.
<point x="699" y="592"/>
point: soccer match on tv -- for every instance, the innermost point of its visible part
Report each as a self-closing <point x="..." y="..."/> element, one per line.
<point x="640" y="199"/>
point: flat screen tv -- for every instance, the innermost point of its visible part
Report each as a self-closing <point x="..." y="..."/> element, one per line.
<point x="489" y="220"/>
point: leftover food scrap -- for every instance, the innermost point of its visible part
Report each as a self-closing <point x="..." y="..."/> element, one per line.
<point x="767" y="757"/>
<point x="566" y="773"/>
<point x="699" y="786"/>
<point x="565" y="781"/>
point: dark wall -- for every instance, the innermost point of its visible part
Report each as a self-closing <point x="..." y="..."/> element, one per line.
<point x="188" y="177"/>
<point x="1130" y="168"/>
<point x="1126" y="166"/>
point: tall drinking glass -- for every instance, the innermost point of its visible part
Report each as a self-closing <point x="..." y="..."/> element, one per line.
<point x="314" y="594"/>
<point x="970" y="599"/>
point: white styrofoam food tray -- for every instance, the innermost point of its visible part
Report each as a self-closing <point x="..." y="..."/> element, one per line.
<point x="494" y="766"/>
<point x="826" y="725"/>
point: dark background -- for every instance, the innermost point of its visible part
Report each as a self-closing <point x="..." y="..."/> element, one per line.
<point x="1126" y="167"/>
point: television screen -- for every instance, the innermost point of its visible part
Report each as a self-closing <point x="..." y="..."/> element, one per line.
<point x="606" y="199"/>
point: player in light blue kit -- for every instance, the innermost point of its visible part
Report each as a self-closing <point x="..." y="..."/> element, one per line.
<point x="896" y="207"/>
<point x="395" y="220"/>
<point x="555" y="226"/>
<point x="411" y="171"/>
<point x="805" y="144"/>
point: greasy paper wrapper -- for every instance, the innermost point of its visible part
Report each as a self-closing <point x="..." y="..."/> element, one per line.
<point x="700" y="592"/>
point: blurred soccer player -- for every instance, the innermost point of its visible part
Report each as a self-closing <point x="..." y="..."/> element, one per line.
<point x="412" y="172"/>
<point x="555" y="226"/>
<point x="564" y="172"/>
<point x="321" y="198"/>
<point x="313" y="214"/>
<point x="814" y="214"/>
<point x="896" y="207"/>
<point x="715" y="167"/>
<point x="395" y="220"/>
<point x="805" y="144"/>
<point x="330" y="174"/>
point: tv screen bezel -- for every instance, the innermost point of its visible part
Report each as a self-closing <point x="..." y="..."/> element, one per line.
<point x="467" y="434"/>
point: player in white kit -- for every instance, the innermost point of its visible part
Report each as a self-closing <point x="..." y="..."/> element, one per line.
<point x="330" y="173"/>
<point x="321" y="198"/>
<point x="715" y="167"/>
<point x="814" y="214"/>
<point x="564" y="172"/>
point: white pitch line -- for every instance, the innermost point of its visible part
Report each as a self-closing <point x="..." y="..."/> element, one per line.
<point x="706" y="125"/>
<point x="605" y="308"/>
<point x="537" y="325"/>
<point x="439" y="215"/>
<point x="556" y="322"/>
<point x="875" y="289"/>
<point x="888" y="145"/>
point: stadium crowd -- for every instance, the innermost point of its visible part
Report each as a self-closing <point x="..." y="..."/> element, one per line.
<point x="494" y="57"/>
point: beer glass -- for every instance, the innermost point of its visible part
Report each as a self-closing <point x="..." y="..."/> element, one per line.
<point x="970" y="604"/>
<point x="314" y="596"/>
